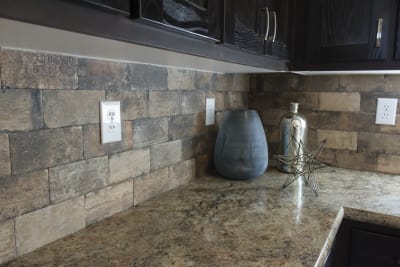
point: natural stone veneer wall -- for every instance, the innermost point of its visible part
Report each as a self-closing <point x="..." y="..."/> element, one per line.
<point x="56" y="177"/>
<point x="339" y="108"/>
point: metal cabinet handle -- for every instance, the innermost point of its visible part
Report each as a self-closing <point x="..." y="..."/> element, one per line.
<point x="267" y="24"/>
<point x="275" y="26"/>
<point x="379" y="33"/>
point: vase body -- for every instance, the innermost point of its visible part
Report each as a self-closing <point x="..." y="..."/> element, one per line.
<point x="293" y="134"/>
<point x="241" y="150"/>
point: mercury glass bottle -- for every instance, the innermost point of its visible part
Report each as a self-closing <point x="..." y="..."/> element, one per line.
<point x="293" y="134"/>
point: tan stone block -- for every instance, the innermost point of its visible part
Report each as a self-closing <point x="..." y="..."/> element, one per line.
<point x="241" y="82"/>
<point x="182" y="173"/>
<point x="7" y="241"/>
<point x="203" y="165"/>
<point x="78" y="178"/>
<point x="46" y="148"/>
<point x="389" y="164"/>
<point x="150" y="185"/>
<point x="23" y="193"/>
<point x="205" y="81"/>
<point x="357" y="161"/>
<point x="147" y="77"/>
<point x="165" y="154"/>
<point x="165" y="103"/>
<point x="187" y="126"/>
<point x="271" y="117"/>
<point x="339" y="101"/>
<point x="236" y="100"/>
<point x="134" y="104"/>
<point x="37" y="70"/>
<point x="150" y="131"/>
<point x="43" y="226"/>
<point x="320" y="83"/>
<point x="102" y="75"/>
<point x="275" y="82"/>
<point x="93" y="147"/>
<point x="20" y="110"/>
<point x="392" y="83"/>
<point x="181" y="79"/>
<point x="362" y="83"/>
<point x="326" y="120"/>
<point x="193" y="101"/>
<point x="71" y="107"/>
<point x="108" y="201"/>
<point x="5" y="165"/>
<point x="338" y="139"/>
<point x="194" y="146"/>
<point x="379" y="143"/>
<point x="219" y="101"/>
<point x="129" y="164"/>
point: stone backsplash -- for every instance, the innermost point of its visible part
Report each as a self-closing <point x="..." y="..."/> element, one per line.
<point x="340" y="108"/>
<point x="55" y="175"/>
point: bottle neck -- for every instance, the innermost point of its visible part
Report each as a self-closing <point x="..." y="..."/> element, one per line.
<point x="294" y="107"/>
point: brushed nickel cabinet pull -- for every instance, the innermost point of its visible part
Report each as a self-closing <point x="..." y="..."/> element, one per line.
<point x="379" y="33"/>
<point x="275" y="26"/>
<point x="267" y="24"/>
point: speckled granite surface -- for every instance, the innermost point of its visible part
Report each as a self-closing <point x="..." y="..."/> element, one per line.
<point x="216" y="222"/>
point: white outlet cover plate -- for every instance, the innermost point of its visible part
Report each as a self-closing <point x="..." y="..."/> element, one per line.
<point x="386" y="110"/>
<point x="110" y="117"/>
<point x="210" y="111"/>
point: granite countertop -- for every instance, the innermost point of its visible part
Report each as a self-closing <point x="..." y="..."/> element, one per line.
<point x="217" y="222"/>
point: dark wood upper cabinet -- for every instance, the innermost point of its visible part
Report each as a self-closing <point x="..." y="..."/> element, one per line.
<point x="122" y="6"/>
<point x="345" y="34"/>
<point x="258" y="26"/>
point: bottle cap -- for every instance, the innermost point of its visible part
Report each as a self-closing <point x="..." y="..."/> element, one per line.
<point x="294" y="107"/>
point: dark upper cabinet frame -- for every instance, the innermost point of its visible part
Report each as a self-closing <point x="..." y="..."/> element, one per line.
<point x="83" y="18"/>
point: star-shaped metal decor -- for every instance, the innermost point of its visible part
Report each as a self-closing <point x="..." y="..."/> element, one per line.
<point x="304" y="164"/>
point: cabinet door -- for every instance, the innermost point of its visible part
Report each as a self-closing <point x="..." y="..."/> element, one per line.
<point x="347" y="30"/>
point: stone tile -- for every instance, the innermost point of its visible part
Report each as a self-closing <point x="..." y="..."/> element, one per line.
<point x="339" y="101"/>
<point x="240" y="82"/>
<point x="78" y="178"/>
<point x="205" y="80"/>
<point x="129" y="164"/>
<point x="71" y="107"/>
<point x="203" y="165"/>
<point x="369" y="101"/>
<point x="134" y="104"/>
<point x="7" y="241"/>
<point x="328" y="156"/>
<point x="193" y="101"/>
<point x="236" y="100"/>
<point x="23" y="193"/>
<point x="388" y="164"/>
<point x="322" y="119"/>
<point x="391" y="83"/>
<point x="271" y="117"/>
<point x="219" y="101"/>
<point x="388" y="129"/>
<point x="43" y="226"/>
<point x="181" y="79"/>
<point x="379" y="143"/>
<point x="46" y="148"/>
<point x="362" y="83"/>
<point x="5" y="165"/>
<point x="328" y="83"/>
<point x="37" y="70"/>
<point x="93" y="147"/>
<point x="360" y="121"/>
<point x="338" y="139"/>
<point x="20" y="110"/>
<point x="147" y="77"/>
<point x="357" y="161"/>
<point x="276" y="82"/>
<point x="108" y="201"/>
<point x="150" y="185"/>
<point x="281" y="100"/>
<point x="102" y="75"/>
<point x="182" y="173"/>
<point x="193" y="146"/>
<point x="150" y="131"/>
<point x="272" y="133"/>
<point x="165" y="154"/>
<point x="165" y="103"/>
<point x="187" y="126"/>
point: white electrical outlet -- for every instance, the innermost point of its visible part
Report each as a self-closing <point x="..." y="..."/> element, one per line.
<point x="386" y="111"/>
<point x="110" y="114"/>
<point x="210" y="111"/>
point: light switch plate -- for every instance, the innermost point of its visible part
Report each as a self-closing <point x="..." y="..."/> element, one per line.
<point x="110" y="116"/>
<point x="210" y="111"/>
<point x="386" y="111"/>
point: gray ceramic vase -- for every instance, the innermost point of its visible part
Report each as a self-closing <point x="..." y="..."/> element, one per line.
<point x="241" y="150"/>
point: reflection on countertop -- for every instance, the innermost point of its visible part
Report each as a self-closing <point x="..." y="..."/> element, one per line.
<point x="217" y="222"/>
